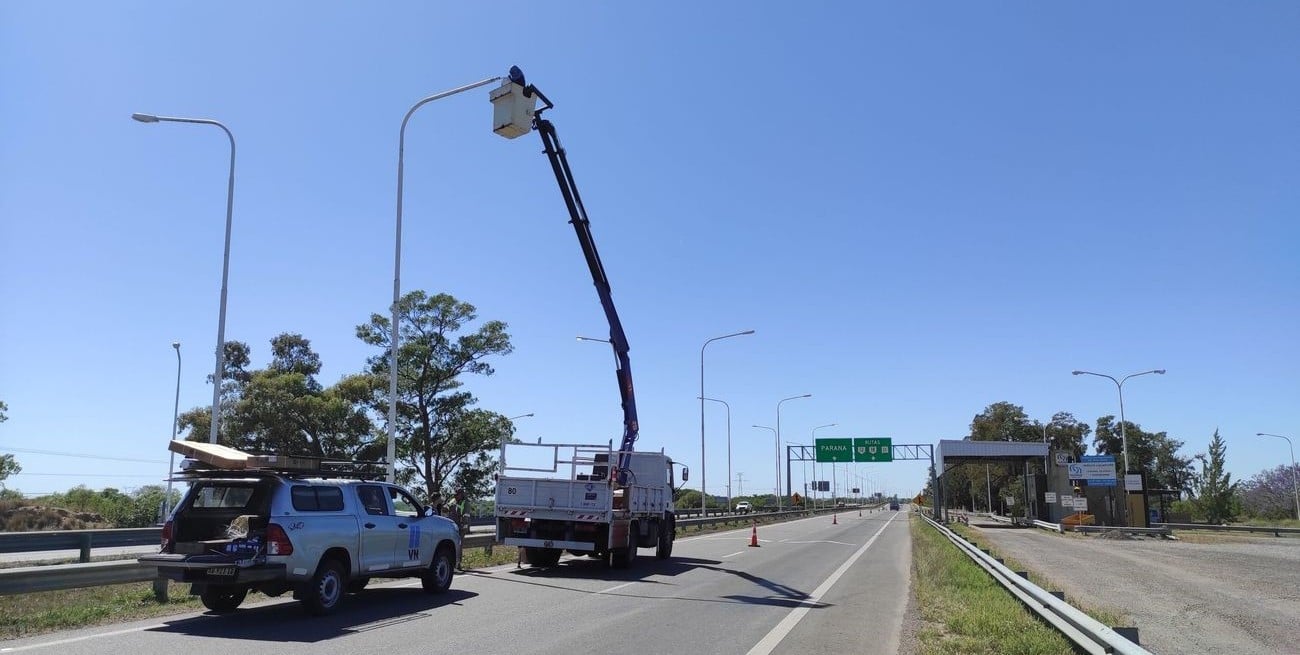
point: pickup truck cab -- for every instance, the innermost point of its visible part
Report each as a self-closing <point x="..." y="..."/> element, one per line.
<point x="316" y="536"/>
<point x="743" y="507"/>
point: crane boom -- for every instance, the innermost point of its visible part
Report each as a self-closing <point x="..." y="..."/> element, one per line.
<point x="582" y="227"/>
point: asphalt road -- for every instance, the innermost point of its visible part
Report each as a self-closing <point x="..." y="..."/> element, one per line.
<point x="1239" y="595"/>
<point x="811" y="586"/>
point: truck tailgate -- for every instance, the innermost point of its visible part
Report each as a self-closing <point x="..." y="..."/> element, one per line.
<point x="525" y="496"/>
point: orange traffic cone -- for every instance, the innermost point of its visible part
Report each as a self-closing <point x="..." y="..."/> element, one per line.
<point x="753" y="537"/>
<point x="859" y="511"/>
<point x="835" y="519"/>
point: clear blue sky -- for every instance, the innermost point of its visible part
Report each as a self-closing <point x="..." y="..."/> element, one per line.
<point x="921" y="209"/>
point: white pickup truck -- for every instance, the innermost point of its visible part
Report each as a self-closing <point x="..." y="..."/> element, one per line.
<point x="556" y="497"/>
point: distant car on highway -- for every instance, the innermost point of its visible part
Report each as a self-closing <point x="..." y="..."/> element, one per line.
<point x="893" y="505"/>
<point x="743" y="507"/>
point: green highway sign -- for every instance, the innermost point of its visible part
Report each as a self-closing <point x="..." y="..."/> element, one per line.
<point x="835" y="450"/>
<point x="874" y="449"/>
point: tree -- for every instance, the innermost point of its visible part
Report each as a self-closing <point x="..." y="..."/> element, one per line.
<point x="1067" y="434"/>
<point x="439" y="433"/>
<point x="1003" y="421"/>
<point x="234" y="375"/>
<point x="284" y="409"/>
<point x="8" y="465"/>
<point x="1269" y="494"/>
<point x="1215" y="492"/>
<point x="1154" y="452"/>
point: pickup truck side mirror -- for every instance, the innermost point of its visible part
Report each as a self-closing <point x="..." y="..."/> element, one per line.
<point x="686" y="474"/>
<point x="428" y="511"/>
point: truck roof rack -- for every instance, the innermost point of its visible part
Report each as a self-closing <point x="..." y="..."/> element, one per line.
<point x="206" y="458"/>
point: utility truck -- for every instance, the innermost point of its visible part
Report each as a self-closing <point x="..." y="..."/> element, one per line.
<point x="589" y="499"/>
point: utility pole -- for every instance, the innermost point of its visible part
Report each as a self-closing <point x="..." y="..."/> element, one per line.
<point x="740" y="488"/>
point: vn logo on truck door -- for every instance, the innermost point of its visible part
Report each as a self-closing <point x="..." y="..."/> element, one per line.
<point x="413" y="543"/>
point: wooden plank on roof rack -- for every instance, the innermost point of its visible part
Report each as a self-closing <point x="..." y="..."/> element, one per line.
<point x="217" y="455"/>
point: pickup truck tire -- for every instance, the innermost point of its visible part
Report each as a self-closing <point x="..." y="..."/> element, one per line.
<point x="438" y="578"/>
<point x="223" y="599"/>
<point x="325" y="590"/>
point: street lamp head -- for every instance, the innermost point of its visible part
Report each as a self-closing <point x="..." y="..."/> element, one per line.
<point x="1076" y="372"/>
<point x="176" y="345"/>
<point x="747" y="332"/>
<point x="145" y="118"/>
<point x="1160" y="371"/>
<point x="807" y="395"/>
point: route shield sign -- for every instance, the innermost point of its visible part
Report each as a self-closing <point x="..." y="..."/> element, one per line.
<point x="873" y="449"/>
<point x="835" y="450"/>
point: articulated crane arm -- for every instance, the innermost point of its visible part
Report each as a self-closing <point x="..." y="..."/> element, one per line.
<point x="582" y="227"/>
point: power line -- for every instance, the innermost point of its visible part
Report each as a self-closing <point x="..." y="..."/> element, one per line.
<point x="87" y="475"/>
<point x="81" y="455"/>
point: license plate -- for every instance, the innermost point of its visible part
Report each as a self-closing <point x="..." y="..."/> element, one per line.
<point x="222" y="571"/>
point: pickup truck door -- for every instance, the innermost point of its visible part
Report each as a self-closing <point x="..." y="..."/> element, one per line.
<point x="415" y="538"/>
<point x="379" y="531"/>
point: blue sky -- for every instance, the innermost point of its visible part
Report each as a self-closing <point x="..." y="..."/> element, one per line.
<point x="920" y="208"/>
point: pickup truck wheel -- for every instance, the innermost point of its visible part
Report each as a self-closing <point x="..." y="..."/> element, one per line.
<point x="438" y="578"/>
<point x="325" y="590"/>
<point x="223" y="599"/>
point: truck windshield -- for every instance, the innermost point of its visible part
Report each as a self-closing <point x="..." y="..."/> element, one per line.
<point x="215" y="496"/>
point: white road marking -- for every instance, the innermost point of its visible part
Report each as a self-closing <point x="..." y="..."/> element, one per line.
<point x="839" y="543"/>
<point x="769" y="642"/>
<point x="74" y="640"/>
<point x="733" y="554"/>
<point x="616" y="587"/>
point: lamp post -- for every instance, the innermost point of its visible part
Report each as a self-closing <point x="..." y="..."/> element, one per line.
<point x="814" y="436"/>
<point x="1119" y="384"/>
<point x="778" y="448"/>
<point x="225" y="261"/>
<point x="1295" y="486"/>
<point x="176" y="408"/>
<point x="704" y="490"/>
<point x="395" y="328"/>
<point x="776" y="439"/>
<point x="724" y="404"/>
<point x="501" y="466"/>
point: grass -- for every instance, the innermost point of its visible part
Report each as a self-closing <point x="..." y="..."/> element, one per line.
<point x="1107" y="616"/>
<point x="965" y="611"/>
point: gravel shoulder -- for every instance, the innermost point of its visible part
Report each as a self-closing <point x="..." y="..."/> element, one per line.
<point x="1240" y="596"/>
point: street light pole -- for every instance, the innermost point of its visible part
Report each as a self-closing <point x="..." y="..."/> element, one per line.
<point x="778" y="448"/>
<point x="1295" y="486"/>
<point x="1119" y="384"/>
<point x="501" y="465"/>
<point x="225" y="261"/>
<point x="776" y="440"/>
<point x="176" y="408"/>
<point x="395" y="328"/>
<point x="704" y="490"/>
<point x="724" y="404"/>
<point x="814" y="437"/>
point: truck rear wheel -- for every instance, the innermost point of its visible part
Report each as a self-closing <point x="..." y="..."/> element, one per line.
<point x="667" y="534"/>
<point x="222" y="599"/>
<point x="544" y="556"/>
<point x="624" y="557"/>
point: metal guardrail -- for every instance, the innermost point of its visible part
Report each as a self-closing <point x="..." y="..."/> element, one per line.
<point x="1118" y="528"/>
<point x="1277" y="530"/>
<point x="1055" y="527"/>
<point x="32" y="542"/>
<point x="1088" y="633"/>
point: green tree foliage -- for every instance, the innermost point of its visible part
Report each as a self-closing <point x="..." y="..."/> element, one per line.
<point x="137" y="509"/>
<point x="440" y="434"/>
<point x="1003" y="421"/>
<point x="283" y="408"/>
<point x="8" y="465"/>
<point x="1068" y="434"/>
<point x="236" y="359"/>
<point x="1155" y="452"/>
<point x="1215" y="491"/>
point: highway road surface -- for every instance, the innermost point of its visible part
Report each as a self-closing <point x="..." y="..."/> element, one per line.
<point x="810" y="587"/>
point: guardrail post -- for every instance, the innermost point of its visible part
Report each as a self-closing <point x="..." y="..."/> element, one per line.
<point x="84" y="540"/>
<point x="1130" y="634"/>
<point x="1060" y="595"/>
<point x="160" y="589"/>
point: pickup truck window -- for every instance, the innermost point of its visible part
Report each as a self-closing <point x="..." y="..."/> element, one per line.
<point x="373" y="499"/>
<point x="222" y="496"/>
<point x="316" y="499"/>
<point x="403" y="504"/>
